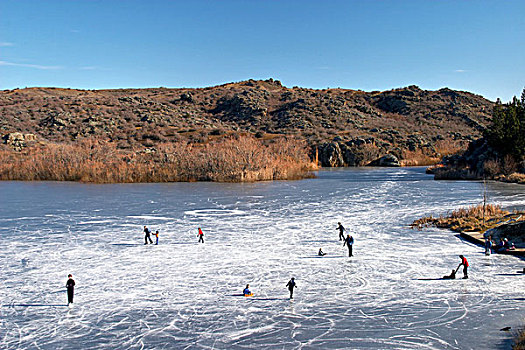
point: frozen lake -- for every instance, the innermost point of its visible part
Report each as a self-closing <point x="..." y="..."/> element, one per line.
<point x="181" y="294"/>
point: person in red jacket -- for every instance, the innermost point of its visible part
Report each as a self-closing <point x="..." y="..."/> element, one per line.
<point x="201" y="236"/>
<point x="465" y="264"/>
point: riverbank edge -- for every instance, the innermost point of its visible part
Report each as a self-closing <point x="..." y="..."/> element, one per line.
<point x="478" y="239"/>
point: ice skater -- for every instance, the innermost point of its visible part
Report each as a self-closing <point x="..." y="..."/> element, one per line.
<point x="201" y="236"/>
<point x="147" y="236"/>
<point x="70" y="286"/>
<point x="291" y="285"/>
<point x="349" y="241"/>
<point x="156" y="237"/>
<point x="246" y="292"/>
<point x="341" y="231"/>
<point x="465" y="264"/>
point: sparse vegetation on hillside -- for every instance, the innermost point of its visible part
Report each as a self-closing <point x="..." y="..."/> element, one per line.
<point x="228" y="160"/>
<point x="347" y="127"/>
<point x="499" y="155"/>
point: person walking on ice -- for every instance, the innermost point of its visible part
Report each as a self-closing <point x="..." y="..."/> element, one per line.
<point x="156" y="237"/>
<point x="349" y="241"/>
<point x="147" y="236"/>
<point x="465" y="264"/>
<point x="341" y="231"/>
<point x="70" y="286"/>
<point x="201" y="236"/>
<point x="291" y="285"/>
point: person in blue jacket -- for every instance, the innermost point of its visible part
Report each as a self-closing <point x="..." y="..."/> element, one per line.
<point x="349" y="241"/>
<point x="247" y="291"/>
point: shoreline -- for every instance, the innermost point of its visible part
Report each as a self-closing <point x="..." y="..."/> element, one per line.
<point x="477" y="238"/>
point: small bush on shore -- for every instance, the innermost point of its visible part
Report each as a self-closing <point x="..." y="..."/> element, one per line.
<point x="229" y="160"/>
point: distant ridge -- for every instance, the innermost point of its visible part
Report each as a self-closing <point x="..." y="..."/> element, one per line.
<point x="343" y="127"/>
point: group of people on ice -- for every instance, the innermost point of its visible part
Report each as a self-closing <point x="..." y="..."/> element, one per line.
<point x="147" y="236"/>
<point x="291" y="285"/>
<point x="503" y="246"/>
<point x="347" y="241"/>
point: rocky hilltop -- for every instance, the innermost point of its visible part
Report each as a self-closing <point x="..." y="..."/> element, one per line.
<point x="342" y="127"/>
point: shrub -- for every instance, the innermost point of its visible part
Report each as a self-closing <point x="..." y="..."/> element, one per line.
<point x="491" y="168"/>
<point x="233" y="159"/>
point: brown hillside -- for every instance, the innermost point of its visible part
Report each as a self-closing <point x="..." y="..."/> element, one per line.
<point x="347" y="127"/>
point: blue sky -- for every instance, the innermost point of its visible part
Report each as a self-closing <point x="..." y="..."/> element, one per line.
<point x="477" y="46"/>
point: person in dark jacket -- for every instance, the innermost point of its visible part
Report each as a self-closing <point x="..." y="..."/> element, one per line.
<point x="465" y="264"/>
<point x="341" y="231"/>
<point x="291" y="285"/>
<point x="147" y="236"/>
<point x="349" y="241"/>
<point x="451" y="276"/>
<point x="70" y="286"/>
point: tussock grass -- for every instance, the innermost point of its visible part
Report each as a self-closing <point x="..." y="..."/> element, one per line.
<point x="469" y="219"/>
<point x="229" y="160"/>
<point x="514" y="178"/>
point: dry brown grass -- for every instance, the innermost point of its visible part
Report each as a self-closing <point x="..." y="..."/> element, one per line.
<point x="449" y="147"/>
<point x="228" y="160"/>
<point x="442" y="148"/>
<point x="469" y="219"/>
<point x="514" y="178"/>
<point x="417" y="158"/>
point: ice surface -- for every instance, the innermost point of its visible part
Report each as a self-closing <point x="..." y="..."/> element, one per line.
<point x="181" y="294"/>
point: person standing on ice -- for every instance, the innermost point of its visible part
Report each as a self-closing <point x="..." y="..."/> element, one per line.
<point x="488" y="245"/>
<point x="291" y="285"/>
<point x="465" y="264"/>
<point x="70" y="286"/>
<point x="156" y="237"/>
<point x="201" y="236"/>
<point x="341" y="231"/>
<point x="147" y="236"/>
<point x="349" y="241"/>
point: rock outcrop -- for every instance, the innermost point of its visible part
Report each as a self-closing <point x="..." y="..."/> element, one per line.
<point x="18" y="141"/>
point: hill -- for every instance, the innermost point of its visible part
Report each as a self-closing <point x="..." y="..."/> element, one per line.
<point x="344" y="127"/>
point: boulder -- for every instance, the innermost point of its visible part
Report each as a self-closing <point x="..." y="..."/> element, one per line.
<point x="17" y="140"/>
<point x="330" y="155"/>
<point x="388" y="160"/>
